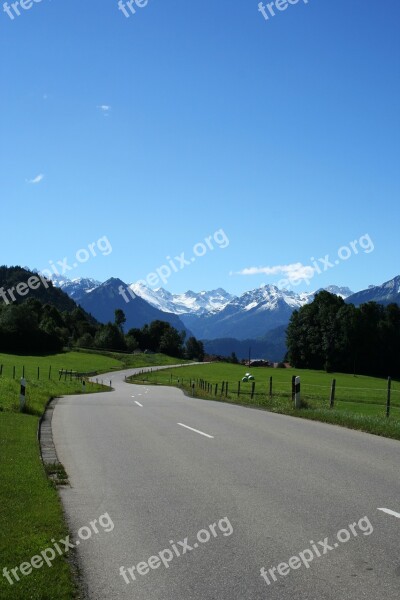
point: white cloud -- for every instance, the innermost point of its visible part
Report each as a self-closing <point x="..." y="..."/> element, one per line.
<point x="293" y="271"/>
<point x="36" y="179"/>
<point x="105" y="109"/>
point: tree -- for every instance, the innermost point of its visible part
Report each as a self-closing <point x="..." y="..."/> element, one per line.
<point x="131" y="343"/>
<point x="85" y="341"/>
<point x="329" y="334"/>
<point x="20" y="331"/>
<point x="137" y="334"/>
<point x="120" y="318"/>
<point x="171" y="343"/>
<point x="313" y="333"/>
<point x="194" y="349"/>
<point x="391" y="336"/>
<point x="155" y="331"/>
<point x="234" y="359"/>
<point x="109" y="337"/>
<point x="156" y="335"/>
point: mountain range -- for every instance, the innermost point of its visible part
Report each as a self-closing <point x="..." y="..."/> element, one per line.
<point x="226" y="323"/>
<point x="202" y="303"/>
<point x="102" y="299"/>
<point x="387" y="293"/>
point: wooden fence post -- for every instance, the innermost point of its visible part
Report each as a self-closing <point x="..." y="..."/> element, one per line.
<point x="333" y="388"/>
<point x="388" y="396"/>
<point x="22" y="395"/>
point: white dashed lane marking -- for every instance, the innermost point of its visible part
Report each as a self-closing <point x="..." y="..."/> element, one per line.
<point x="390" y="512"/>
<point x="196" y="431"/>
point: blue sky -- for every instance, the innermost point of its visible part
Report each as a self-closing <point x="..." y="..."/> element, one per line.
<point x="156" y="131"/>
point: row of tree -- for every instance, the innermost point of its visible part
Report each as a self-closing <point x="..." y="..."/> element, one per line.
<point x="32" y="327"/>
<point x="158" y="336"/>
<point x="35" y="328"/>
<point x="332" y="335"/>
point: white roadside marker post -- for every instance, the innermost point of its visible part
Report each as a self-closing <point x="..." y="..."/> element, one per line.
<point x="297" y="398"/>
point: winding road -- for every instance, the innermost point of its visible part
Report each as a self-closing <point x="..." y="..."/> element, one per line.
<point x="196" y="497"/>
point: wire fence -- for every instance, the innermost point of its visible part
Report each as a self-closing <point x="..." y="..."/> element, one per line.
<point x="41" y="373"/>
<point x="276" y="389"/>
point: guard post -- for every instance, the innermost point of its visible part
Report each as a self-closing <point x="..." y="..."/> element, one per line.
<point x="297" y="397"/>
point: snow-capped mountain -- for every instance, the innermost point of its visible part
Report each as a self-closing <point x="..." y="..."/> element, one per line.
<point x="386" y="293"/>
<point x="75" y="288"/>
<point x="218" y="314"/>
<point x="103" y="300"/>
<point x="200" y="303"/>
<point x="343" y="292"/>
<point x="268" y="297"/>
<point x="250" y="315"/>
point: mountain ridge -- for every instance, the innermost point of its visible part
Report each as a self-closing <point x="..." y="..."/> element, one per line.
<point x="215" y="314"/>
<point x="102" y="301"/>
<point x="387" y="293"/>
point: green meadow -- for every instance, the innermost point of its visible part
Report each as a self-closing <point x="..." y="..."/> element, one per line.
<point x="360" y="401"/>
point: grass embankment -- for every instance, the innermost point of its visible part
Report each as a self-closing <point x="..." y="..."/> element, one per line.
<point x="134" y="361"/>
<point x="30" y="514"/>
<point x="30" y="510"/>
<point x="360" y="401"/>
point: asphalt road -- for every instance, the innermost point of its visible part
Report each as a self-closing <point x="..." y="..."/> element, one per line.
<point x="270" y="487"/>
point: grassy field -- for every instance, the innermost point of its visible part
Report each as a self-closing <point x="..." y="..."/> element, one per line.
<point x="81" y="361"/>
<point x="30" y="510"/>
<point x="132" y="361"/>
<point x="360" y="401"/>
<point x="46" y="383"/>
<point x="39" y="390"/>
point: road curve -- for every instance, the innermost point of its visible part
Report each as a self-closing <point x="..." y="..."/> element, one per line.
<point x="215" y="492"/>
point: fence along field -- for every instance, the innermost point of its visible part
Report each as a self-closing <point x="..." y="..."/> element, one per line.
<point x="46" y="376"/>
<point x="60" y="374"/>
<point x="359" y="401"/>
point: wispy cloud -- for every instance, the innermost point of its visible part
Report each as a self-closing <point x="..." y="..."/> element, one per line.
<point x="36" y="179"/>
<point x="293" y="271"/>
<point x="105" y="109"/>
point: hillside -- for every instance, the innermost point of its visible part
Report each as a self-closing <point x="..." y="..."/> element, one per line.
<point x="46" y="292"/>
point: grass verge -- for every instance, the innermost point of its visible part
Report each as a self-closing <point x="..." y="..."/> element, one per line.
<point x="30" y="510"/>
<point x="30" y="515"/>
